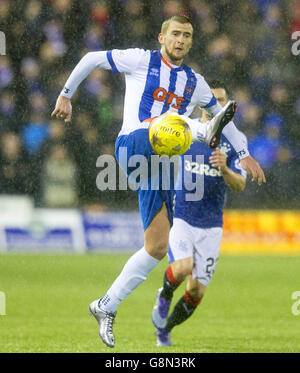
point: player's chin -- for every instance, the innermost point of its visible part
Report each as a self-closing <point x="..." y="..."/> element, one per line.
<point x="179" y="53"/>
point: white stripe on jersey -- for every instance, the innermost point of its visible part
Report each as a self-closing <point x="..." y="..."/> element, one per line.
<point x="164" y="80"/>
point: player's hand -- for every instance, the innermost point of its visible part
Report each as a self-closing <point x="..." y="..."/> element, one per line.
<point x="218" y="159"/>
<point x="63" y="109"/>
<point x="253" y="168"/>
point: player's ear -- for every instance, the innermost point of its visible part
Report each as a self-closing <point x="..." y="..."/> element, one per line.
<point x="160" y="38"/>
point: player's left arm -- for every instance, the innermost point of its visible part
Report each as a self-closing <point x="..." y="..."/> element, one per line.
<point x="249" y="164"/>
<point x="233" y="180"/>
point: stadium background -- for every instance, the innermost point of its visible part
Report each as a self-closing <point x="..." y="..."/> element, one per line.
<point x="245" y="43"/>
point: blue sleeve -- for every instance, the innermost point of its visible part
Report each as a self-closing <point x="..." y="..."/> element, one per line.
<point x="235" y="165"/>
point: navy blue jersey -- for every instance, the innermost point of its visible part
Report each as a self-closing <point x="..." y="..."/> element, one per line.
<point x="208" y="211"/>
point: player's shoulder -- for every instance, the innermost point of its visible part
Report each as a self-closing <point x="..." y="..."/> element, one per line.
<point x="138" y="52"/>
<point x="200" y="78"/>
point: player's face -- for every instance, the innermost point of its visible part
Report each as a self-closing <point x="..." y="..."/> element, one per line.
<point x="176" y="42"/>
<point x="220" y="95"/>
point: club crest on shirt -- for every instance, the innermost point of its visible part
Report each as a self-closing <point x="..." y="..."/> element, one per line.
<point x="189" y="90"/>
<point x="225" y="147"/>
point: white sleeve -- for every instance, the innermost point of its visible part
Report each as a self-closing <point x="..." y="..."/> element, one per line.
<point x="88" y="63"/>
<point x="116" y="60"/>
<point x="125" y="61"/>
<point x="237" y="140"/>
<point x="206" y="98"/>
<point x="235" y="136"/>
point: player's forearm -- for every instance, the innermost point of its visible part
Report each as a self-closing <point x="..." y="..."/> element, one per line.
<point x="88" y="63"/>
<point x="237" y="140"/>
<point x="233" y="180"/>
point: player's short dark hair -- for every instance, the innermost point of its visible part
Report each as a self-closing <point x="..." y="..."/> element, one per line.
<point x="214" y="84"/>
<point x="177" y="18"/>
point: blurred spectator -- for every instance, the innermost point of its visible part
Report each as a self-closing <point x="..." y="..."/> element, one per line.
<point x="14" y="170"/>
<point x="267" y="148"/>
<point x="6" y="72"/>
<point x="94" y="38"/>
<point x="56" y="135"/>
<point x="59" y="187"/>
<point x="8" y="111"/>
<point x="88" y="174"/>
<point x="35" y="133"/>
<point x="172" y="7"/>
<point x="294" y="13"/>
<point x="5" y="13"/>
<point x="30" y="70"/>
<point x="53" y="31"/>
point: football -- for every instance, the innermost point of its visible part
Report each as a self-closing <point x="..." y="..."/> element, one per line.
<point x="169" y="135"/>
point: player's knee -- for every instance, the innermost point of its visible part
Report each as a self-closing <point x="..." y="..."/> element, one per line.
<point x="182" y="268"/>
<point x="158" y="249"/>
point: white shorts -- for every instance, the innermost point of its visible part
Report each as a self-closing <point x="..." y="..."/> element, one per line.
<point x="202" y="244"/>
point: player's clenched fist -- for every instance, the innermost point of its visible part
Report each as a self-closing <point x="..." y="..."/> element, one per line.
<point x="218" y="159"/>
<point x="63" y="109"/>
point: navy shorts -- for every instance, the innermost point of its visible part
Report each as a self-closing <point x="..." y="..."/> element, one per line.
<point x="150" y="199"/>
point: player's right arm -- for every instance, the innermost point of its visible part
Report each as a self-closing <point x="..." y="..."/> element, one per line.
<point x="233" y="180"/>
<point x="208" y="102"/>
<point x="63" y="107"/>
<point x="115" y="60"/>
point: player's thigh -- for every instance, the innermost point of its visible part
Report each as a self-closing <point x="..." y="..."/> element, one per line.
<point x="180" y="242"/>
<point x="157" y="234"/>
<point x="206" y="254"/>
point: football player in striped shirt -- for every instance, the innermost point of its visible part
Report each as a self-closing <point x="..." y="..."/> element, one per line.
<point x="156" y="81"/>
<point x="195" y="236"/>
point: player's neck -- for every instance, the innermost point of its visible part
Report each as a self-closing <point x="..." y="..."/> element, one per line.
<point x="170" y="61"/>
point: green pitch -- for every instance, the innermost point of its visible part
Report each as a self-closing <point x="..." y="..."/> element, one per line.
<point x="247" y="307"/>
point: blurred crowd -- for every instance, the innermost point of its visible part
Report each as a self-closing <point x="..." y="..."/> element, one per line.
<point x="244" y="43"/>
